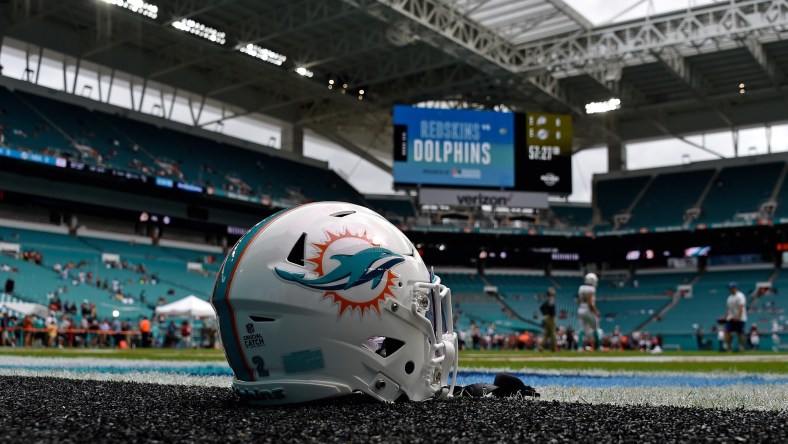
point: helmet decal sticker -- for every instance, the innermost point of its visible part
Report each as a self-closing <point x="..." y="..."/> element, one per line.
<point x="351" y="269"/>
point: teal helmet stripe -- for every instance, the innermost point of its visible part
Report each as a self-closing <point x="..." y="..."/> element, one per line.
<point x="221" y="302"/>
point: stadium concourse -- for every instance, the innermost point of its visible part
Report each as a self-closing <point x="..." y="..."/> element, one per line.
<point x="141" y="140"/>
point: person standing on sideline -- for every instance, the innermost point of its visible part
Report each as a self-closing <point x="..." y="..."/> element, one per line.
<point x="587" y="313"/>
<point x="145" y="332"/>
<point x="548" y="311"/>
<point x="735" y="316"/>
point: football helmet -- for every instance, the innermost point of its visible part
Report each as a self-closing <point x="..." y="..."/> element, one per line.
<point x="591" y="279"/>
<point x="330" y="298"/>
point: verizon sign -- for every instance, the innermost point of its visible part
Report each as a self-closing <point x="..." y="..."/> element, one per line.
<point x="476" y="198"/>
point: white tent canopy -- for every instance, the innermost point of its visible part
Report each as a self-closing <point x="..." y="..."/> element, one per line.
<point x="28" y="308"/>
<point x="190" y="306"/>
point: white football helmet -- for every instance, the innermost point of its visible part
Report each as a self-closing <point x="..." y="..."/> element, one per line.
<point x="591" y="279"/>
<point x="330" y="298"/>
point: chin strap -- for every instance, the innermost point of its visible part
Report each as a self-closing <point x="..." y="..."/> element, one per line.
<point x="504" y="386"/>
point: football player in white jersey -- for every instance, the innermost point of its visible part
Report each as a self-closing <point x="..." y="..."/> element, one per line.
<point x="587" y="313"/>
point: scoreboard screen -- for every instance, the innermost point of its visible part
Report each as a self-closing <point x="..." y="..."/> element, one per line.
<point x="548" y="163"/>
<point x="482" y="149"/>
<point x="453" y="147"/>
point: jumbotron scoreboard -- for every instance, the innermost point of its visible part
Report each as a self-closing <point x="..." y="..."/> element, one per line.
<point x="482" y="149"/>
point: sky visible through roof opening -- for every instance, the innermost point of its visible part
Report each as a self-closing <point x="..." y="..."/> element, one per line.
<point x="369" y="179"/>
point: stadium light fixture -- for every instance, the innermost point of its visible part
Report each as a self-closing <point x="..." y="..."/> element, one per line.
<point x="304" y="72"/>
<point x="603" y="107"/>
<point x="263" y="54"/>
<point x="140" y="7"/>
<point x="200" y="30"/>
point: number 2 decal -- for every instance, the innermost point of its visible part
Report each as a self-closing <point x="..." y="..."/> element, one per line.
<point x="260" y="364"/>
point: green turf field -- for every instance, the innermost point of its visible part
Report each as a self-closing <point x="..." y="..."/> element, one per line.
<point x="756" y="361"/>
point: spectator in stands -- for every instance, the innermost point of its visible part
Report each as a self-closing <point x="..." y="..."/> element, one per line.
<point x="702" y="344"/>
<point x="548" y="311"/>
<point x="775" y="335"/>
<point x="755" y="337"/>
<point x="4" y="326"/>
<point x="145" y="328"/>
<point x="39" y="332"/>
<point x="105" y="329"/>
<point x="9" y="286"/>
<point x="735" y="316"/>
<point x="117" y="330"/>
<point x="66" y="332"/>
<point x="171" y="339"/>
<point x="209" y="330"/>
<point x="82" y="336"/>
<point x="186" y="334"/>
<point x="476" y="337"/>
<point x="51" y="329"/>
<point x="125" y="328"/>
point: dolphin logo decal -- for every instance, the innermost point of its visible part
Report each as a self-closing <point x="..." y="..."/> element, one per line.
<point x="353" y="270"/>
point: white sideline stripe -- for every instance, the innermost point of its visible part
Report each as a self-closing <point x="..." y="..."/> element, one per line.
<point x="132" y="376"/>
<point x="58" y="362"/>
<point x="772" y="397"/>
<point x="624" y="373"/>
<point x="645" y="358"/>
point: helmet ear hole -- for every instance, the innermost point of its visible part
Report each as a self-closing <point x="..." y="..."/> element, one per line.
<point x="383" y="346"/>
<point x="409" y="367"/>
<point x="297" y="254"/>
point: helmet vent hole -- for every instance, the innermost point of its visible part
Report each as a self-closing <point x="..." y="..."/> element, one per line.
<point x="409" y="367"/>
<point x="383" y="346"/>
<point x="343" y="213"/>
<point x="296" y="255"/>
<point x="256" y="318"/>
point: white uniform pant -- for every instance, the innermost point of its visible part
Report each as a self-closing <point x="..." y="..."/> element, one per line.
<point x="589" y="323"/>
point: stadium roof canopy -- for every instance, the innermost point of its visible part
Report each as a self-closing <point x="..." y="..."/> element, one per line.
<point x="676" y="73"/>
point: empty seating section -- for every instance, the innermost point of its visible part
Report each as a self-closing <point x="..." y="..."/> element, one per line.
<point x="645" y="284"/>
<point x="574" y="216"/>
<point x="461" y="282"/>
<point x="522" y="293"/>
<point x="518" y="283"/>
<point x="739" y="189"/>
<point x="164" y="275"/>
<point x="782" y="200"/>
<point x="668" y="196"/>
<point x="102" y="143"/>
<point x="25" y="130"/>
<point x="179" y="156"/>
<point x="484" y="310"/>
<point x="628" y="314"/>
<point x="122" y="143"/>
<point x="398" y="210"/>
<point x="614" y="196"/>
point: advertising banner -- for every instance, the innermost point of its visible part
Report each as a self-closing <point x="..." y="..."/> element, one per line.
<point x="476" y="198"/>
